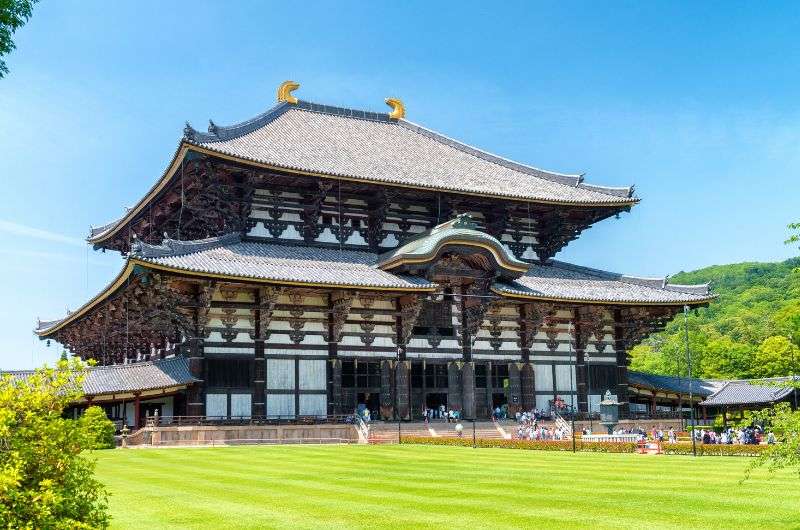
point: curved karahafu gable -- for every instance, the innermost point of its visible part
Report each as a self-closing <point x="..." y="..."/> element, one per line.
<point x="459" y="235"/>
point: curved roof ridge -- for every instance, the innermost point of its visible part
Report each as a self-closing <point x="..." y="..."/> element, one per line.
<point x="567" y="179"/>
<point x="644" y="281"/>
<point x="175" y="247"/>
<point x="219" y="133"/>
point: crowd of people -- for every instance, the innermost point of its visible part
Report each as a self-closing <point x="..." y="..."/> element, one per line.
<point x="441" y="413"/>
<point x="752" y="435"/>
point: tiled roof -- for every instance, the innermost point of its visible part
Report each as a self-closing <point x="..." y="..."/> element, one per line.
<point x="114" y="379"/>
<point x="563" y="281"/>
<point x="288" y="263"/>
<point x="369" y="146"/>
<point x="678" y="385"/>
<point x="752" y="392"/>
<point x="231" y="257"/>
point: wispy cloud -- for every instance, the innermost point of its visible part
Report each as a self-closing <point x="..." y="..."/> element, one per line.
<point x="56" y="256"/>
<point x="17" y="229"/>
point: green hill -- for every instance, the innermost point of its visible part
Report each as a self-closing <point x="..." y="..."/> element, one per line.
<point x="751" y="330"/>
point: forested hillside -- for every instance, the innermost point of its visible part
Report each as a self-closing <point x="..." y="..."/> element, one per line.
<point x="751" y="330"/>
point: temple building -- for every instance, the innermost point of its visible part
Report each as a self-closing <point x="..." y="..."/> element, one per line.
<point x="315" y="258"/>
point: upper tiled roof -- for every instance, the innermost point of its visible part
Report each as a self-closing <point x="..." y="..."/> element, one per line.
<point x="678" y="385"/>
<point x="229" y="256"/>
<point x="562" y="281"/>
<point x="370" y="146"/>
<point x="135" y="377"/>
<point x="751" y="392"/>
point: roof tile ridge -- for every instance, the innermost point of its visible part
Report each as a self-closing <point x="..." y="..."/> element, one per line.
<point x="566" y="179"/>
<point x="174" y="247"/>
<point x="344" y="112"/>
<point x="221" y="133"/>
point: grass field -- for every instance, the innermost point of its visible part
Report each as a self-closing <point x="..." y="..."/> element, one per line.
<point x="424" y="486"/>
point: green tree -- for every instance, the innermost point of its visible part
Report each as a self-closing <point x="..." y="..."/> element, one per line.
<point x="13" y="15"/>
<point x="45" y="481"/>
<point x="99" y="429"/>
<point x="776" y="356"/>
<point x="785" y="423"/>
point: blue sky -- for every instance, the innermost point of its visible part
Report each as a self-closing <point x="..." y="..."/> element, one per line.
<point x="696" y="104"/>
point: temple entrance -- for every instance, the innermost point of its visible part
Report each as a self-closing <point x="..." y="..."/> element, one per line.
<point x="370" y="401"/>
<point x="434" y="401"/>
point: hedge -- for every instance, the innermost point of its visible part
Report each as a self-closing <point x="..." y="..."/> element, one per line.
<point x="680" y="448"/>
<point x="539" y="445"/>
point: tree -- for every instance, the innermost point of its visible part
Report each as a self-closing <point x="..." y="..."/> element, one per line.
<point x="13" y="15"/>
<point x="776" y="356"/>
<point x="99" y="429"/>
<point x="785" y="423"/>
<point x="45" y="481"/>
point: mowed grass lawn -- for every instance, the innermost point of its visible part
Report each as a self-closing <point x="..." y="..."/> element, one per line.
<point x="427" y="487"/>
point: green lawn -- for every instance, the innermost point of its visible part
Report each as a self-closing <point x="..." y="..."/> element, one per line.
<point x="425" y="486"/>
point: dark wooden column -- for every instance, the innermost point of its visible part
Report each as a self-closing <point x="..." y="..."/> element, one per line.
<point x="622" y="363"/>
<point x="258" y="406"/>
<point x="581" y="338"/>
<point x="514" y="388"/>
<point x="196" y="395"/>
<point x="466" y="339"/>
<point x="137" y="410"/>
<point x="454" y="386"/>
<point x="387" y="398"/>
<point x="468" y="390"/>
<point x="526" y="375"/>
<point x="339" y="305"/>
<point x="407" y="309"/>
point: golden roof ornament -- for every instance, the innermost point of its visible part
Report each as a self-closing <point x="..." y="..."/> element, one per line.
<point x="285" y="92"/>
<point x="398" y="109"/>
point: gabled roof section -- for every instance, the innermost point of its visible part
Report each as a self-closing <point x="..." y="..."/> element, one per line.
<point x="135" y="377"/>
<point x="752" y="392"/>
<point x="371" y="146"/>
<point x="458" y="232"/>
<point x="561" y="281"/>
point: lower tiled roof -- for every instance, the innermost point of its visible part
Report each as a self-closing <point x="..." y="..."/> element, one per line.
<point x="135" y="377"/>
<point x="562" y="281"/>
<point x="752" y="392"/>
<point x="287" y="263"/>
<point x="677" y="385"/>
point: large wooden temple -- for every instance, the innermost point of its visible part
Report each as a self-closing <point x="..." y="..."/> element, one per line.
<point x="316" y="257"/>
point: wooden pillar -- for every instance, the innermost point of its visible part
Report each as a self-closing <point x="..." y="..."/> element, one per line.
<point x="402" y="391"/>
<point x="468" y="390"/>
<point x="258" y="399"/>
<point x="514" y="389"/>
<point x="622" y="364"/>
<point x="136" y="411"/>
<point x="454" y="386"/>
<point x="466" y="339"/>
<point x="387" y="398"/>
<point x="489" y="388"/>
<point x="580" y="361"/>
<point x="335" y="405"/>
<point x="196" y="395"/>
<point x="653" y="404"/>
<point x="526" y="374"/>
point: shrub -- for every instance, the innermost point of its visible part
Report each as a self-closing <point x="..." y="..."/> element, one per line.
<point x="538" y="445"/>
<point x="98" y="428"/>
<point x="680" y="448"/>
<point x="45" y="482"/>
